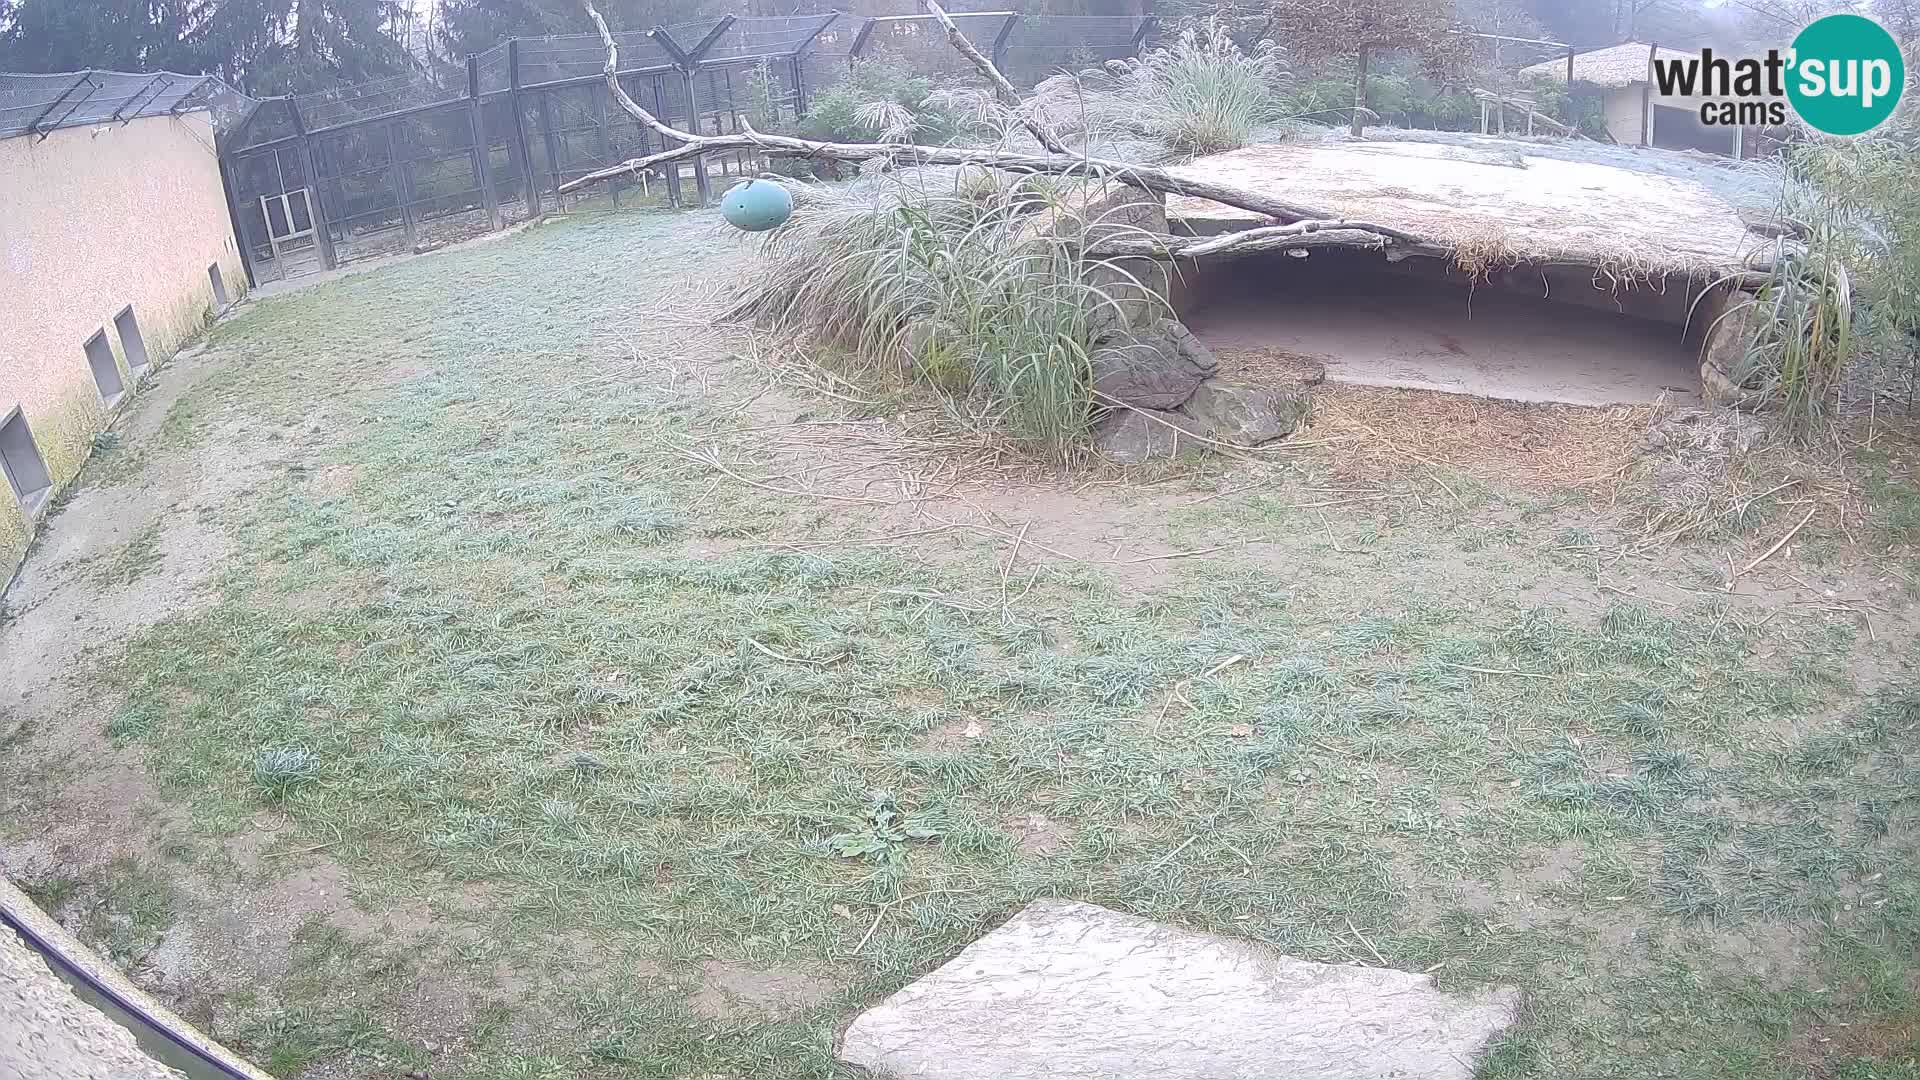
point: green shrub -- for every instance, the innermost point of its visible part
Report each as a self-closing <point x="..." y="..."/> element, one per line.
<point x="763" y="97"/>
<point x="1205" y="94"/>
<point x="868" y="103"/>
<point x="1802" y="332"/>
<point x="952" y="282"/>
<point x="1860" y="198"/>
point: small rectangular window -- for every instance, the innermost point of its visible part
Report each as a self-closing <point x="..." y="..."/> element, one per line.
<point x="132" y="345"/>
<point x="20" y="460"/>
<point x="106" y="371"/>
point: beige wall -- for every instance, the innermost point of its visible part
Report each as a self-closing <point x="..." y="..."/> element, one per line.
<point x="1625" y="113"/>
<point x="93" y="219"/>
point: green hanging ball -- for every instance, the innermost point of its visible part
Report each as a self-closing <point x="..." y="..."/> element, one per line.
<point x="756" y="205"/>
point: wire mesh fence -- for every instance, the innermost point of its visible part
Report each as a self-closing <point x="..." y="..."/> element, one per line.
<point x="39" y="104"/>
<point x="410" y="162"/>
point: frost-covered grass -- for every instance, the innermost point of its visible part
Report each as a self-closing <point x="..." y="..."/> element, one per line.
<point x="634" y="733"/>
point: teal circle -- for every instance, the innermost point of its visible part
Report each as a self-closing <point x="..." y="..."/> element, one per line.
<point x="757" y="205"/>
<point x="1848" y="51"/>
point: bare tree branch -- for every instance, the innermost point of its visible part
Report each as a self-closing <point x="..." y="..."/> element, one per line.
<point x="1300" y="236"/>
<point x="1002" y="89"/>
<point x="1311" y="226"/>
<point x="619" y="92"/>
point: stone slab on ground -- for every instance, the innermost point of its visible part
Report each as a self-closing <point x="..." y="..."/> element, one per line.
<point x="1070" y="989"/>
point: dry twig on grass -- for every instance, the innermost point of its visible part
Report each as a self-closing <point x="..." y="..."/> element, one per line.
<point x="1777" y="545"/>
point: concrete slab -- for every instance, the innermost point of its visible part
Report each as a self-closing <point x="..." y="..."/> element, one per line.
<point x="1066" y="989"/>
<point x="1488" y="192"/>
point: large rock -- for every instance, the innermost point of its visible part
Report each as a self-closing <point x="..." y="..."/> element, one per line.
<point x="1245" y="416"/>
<point x="1156" y="368"/>
<point x="1090" y="211"/>
<point x="1132" y="436"/>
<point x="1073" y="990"/>
<point x="1723" y="353"/>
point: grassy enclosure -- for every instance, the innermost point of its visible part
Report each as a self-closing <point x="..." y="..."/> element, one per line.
<point x="549" y="695"/>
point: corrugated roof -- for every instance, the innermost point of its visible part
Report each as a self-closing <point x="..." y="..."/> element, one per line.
<point x="42" y="103"/>
<point x="1618" y="65"/>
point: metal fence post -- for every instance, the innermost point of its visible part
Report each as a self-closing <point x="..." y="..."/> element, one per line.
<point x="520" y="128"/>
<point x="702" y="186"/>
<point x="799" y="53"/>
<point x="482" y="150"/>
<point x="552" y="144"/>
<point x="860" y="40"/>
<point x="322" y="233"/>
<point x="673" y="169"/>
<point x="1000" y="41"/>
<point x="400" y="195"/>
<point x="1148" y="26"/>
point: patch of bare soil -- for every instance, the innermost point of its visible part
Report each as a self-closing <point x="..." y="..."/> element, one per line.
<point x="957" y="734"/>
<point x="732" y="991"/>
<point x="1038" y="835"/>
<point x="1823" y="1046"/>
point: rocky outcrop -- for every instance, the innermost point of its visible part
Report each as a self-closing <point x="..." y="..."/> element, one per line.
<point x="1723" y="356"/>
<point x="1134" y="436"/>
<point x="1245" y="416"/>
<point x="1159" y="367"/>
<point x="1159" y="383"/>
<point x="1070" y="989"/>
<point x="1216" y="415"/>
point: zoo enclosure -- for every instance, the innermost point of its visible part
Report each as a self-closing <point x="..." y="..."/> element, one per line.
<point x="407" y="163"/>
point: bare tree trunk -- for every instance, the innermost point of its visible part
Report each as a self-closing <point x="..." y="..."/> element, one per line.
<point x="1359" y="96"/>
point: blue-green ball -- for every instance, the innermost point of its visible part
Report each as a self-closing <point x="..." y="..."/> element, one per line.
<point x="756" y="205"/>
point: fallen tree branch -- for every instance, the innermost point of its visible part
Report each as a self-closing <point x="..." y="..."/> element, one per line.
<point x="1002" y="89"/>
<point x="1300" y="236"/>
<point x="1052" y="164"/>
<point x="897" y="154"/>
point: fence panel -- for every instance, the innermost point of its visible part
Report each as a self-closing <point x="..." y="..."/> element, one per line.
<point x="408" y="162"/>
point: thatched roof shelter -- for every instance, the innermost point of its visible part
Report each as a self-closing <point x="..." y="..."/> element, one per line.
<point x="1617" y="65"/>
<point x="1491" y="201"/>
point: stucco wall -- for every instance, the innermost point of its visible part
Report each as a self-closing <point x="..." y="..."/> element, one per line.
<point x="1625" y="114"/>
<point x="93" y="219"/>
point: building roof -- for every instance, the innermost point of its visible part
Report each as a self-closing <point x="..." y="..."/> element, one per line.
<point x="34" y="104"/>
<point x="1618" y="65"/>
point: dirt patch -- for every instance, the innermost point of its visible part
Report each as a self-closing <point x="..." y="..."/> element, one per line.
<point x="1770" y="951"/>
<point x="731" y="991"/>
<point x="335" y="480"/>
<point x="958" y="734"/>
<point x="1038" y="835"/>
<point x="349" y="590"/>
<point x="1822" y="1046"/>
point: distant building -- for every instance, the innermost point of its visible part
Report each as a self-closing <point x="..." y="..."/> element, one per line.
<point x="1635" y="112"/>
<point x="114" y="241"/>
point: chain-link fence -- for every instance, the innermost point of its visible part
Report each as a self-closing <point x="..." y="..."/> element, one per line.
<point x="409" y="163"/>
